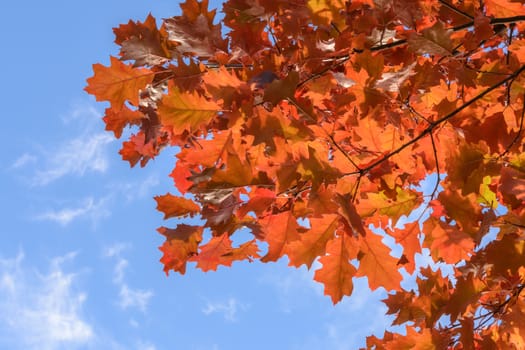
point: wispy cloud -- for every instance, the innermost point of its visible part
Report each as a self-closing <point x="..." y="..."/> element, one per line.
<point x="228" y="308"/>
<point x="85" y="153"/>
<point x="115" y="251"/>
<point x="134" y="190"/>
<point x="23" y="160"/>
<point x="41" y="311"/>
<point x="295" y="287"/>
<point x="128" y="297"/>
<point x="137" y="298"/>
<point x="341" y="327"/>
<point x="82" y="113"/>
<point x="88" y="208"/>
<point x="141" y="345"/>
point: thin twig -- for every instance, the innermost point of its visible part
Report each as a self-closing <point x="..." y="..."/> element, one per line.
<point x="438" y="180"/>
<point x="356" y="188"/>
<point x="519" y="131"/>
<point x="332" y="140"/>
<point x="333" y="25"/>
<point x="343" y="58"/>
<point x="438" y="122"/>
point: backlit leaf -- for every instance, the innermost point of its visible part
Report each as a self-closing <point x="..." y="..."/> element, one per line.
<point x="118" y="83"/>
<point x="186" y="111"/>
<point x="376" y="138"/>
<point x="337" y="272"/>
<point x="173" y="206"/>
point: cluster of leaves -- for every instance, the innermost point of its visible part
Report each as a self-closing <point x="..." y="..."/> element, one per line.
<point x="309" y="123"/>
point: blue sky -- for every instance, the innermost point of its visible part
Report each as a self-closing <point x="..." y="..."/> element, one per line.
<point x="79" y="260"/>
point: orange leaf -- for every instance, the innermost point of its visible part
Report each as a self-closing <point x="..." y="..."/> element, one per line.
<point x="337" y="271"/>
<point x="447" y="242"/>
<point x="280" y="229"/>
<point x="117" y="119"/>
<point x="213" y="253"/>
<point x="118" y="83"/>
<point x="377" y="264"/>
<point x="324" y="11"/>
<point x="408" y="237"/>
<point x="218" y="251"/>
<point x="260" y="201"/>
<point x="173" y="206"/>
<point x="180" y="245"/>
<point x="237" y="173"/>
<point x="246" y="251"/>
<point x="186" y="111"/>
<point x="504" y="8"/>
<point x="137" y="149"/>
<point x="313" y="242"/>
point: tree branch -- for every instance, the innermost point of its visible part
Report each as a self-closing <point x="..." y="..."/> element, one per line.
<point x="519" y="131"/>
<point x="343" y="58"/>
<point x="438" y="122"/>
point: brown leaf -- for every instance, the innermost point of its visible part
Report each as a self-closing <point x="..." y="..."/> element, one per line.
<point x="432" y="41"/>
<point x="142" y="42"/>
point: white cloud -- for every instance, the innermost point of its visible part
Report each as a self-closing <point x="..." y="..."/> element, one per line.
<point x="89" y="208"/>
<point x="288" y="282"/>
<point x="41" y="311"/>
<point x="120" y="266"/>
<point x="134" y="298"/>
<point x="83" y="113"/>
<point x="23" y="160"/>
<point x="145" y="346"/>
<point x="115" y="252"/>
<point x="128" y="297"/>
<point x="75" y="157"/>
<point x="343" y="326"/>
<point x="134" y="190"/>
<point x="228" y="309"/>
<point x="85" y="152"/>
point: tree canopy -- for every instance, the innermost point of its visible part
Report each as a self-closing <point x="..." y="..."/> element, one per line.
<point x="320" y="126"/>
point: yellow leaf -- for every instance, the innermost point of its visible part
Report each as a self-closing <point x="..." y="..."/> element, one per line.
<point x="186" y="111"/>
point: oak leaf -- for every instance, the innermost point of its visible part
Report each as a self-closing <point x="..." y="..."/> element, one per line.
<point x="504" y="8"/>
<point x="280" y="230"/>
<point x="117" y="119"/>
<point x="181" y="244"/>
<point x="357" y="134"/>
<point x="337" y="271"/>
<point x="432" y="41"/>
<point x="142" y="43"/>
<point x="186" y="111"/>
<point x="312" y="243"/>
<point x="377" y="264"/>
<point x="173" y="206"/>
<point x="118" y="83"/>
<point x="214" y="253"/>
